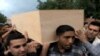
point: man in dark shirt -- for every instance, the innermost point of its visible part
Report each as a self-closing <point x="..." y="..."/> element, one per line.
<point x="64" y="45"/>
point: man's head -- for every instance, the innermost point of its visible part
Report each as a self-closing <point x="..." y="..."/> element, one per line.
<point x="89" y="20"/>
<point x="93" y="30"/>
<point x="65" y="35"/>
<point x="6" y="28"/>
<point x="16" y="43"/>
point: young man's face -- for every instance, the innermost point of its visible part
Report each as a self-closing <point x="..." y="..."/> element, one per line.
<point x="6" y="28"/>
<point x="17" y="47"/>
<point x="92" y="31"/>
<point x="66" y="39"/>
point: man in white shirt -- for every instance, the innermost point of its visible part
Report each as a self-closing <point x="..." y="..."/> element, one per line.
<point x="89" y="38"/>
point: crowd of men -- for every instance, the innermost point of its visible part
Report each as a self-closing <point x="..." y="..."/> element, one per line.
<point x="70" y="42"/>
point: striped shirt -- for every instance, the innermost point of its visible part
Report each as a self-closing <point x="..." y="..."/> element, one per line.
<point x="74" y="51"/>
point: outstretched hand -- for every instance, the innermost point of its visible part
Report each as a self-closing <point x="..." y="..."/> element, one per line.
<point x="82" y="36"/>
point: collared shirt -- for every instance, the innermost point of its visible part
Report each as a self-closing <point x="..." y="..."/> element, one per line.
<point x="96" y="42"/>
<point x="74" y="51"/>
<point x="94" y="48"/>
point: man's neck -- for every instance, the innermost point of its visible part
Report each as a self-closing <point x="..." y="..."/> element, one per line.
<point x="62" y="50"/>
<point x="91" y="41"/>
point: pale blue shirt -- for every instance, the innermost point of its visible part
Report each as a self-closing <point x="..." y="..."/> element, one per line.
<point x="94" y="48"/>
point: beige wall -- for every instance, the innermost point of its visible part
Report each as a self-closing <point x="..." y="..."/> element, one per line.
<point x="28" y="22"/>
<point x="41" y="25"/>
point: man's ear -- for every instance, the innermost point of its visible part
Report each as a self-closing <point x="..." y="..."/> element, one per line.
<point x="8" y="48"/>
<point x="6" y="52"/>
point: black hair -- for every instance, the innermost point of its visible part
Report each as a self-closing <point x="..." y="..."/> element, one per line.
<point x="96" y="23"/>
<point x="29" y="40"/>
<point x="13" y="35"/>
<point x="85" y="23"/>
<point x="63" y="28"/>
<point x="8" y="25"/>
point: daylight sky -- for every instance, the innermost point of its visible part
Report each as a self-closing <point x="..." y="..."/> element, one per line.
<point x="11" y="7"/>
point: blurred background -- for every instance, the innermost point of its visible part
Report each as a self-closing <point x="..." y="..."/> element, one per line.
<point x="11" y="7"/>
